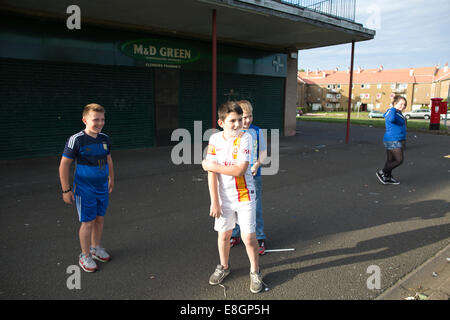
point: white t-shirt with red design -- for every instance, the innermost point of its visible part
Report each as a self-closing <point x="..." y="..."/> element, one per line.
<point x="232" y="190"/>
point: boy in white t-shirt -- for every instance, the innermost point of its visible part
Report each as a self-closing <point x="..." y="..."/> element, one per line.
<point x="232" y="191"/>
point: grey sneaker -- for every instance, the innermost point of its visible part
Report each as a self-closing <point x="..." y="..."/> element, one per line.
<point x="87" y="263"/>
<point x="256" y="283"/>
<point x="219" y="274"/>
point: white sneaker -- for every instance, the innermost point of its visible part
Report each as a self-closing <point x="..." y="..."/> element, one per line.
<point x="100" y="254"/>
<point x="86" y="263"/>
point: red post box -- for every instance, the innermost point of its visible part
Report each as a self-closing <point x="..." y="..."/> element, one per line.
<point x="435" y="119"/>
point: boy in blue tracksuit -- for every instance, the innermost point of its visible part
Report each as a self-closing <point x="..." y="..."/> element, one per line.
<point x="393" y="140"/>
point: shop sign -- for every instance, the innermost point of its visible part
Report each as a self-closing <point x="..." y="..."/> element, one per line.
<point x="160" y="51"/>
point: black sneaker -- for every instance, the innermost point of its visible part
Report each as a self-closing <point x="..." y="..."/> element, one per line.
<point x="381" y="176"/>
<point x="391" y="180"/>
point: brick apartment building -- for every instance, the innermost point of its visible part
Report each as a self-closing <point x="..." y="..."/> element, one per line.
<point x="373" y="89"/>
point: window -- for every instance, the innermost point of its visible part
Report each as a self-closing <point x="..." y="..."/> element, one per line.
<point x="365" y="86"/>
<point x="379" y="86"/>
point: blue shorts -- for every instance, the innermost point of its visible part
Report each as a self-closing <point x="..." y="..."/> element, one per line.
<point x="390" y="145"/>
<point x="91" y="206"/>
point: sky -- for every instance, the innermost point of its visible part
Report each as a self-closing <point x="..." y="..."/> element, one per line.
<point x="409" y="34"/>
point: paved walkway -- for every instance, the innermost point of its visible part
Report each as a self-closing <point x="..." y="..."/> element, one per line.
<point x="325" y="202"/>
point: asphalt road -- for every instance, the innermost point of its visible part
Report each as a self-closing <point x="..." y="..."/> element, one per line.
<point x="325" y="202"/>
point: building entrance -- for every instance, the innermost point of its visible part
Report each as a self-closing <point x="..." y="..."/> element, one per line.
<point x="167" y="89"/>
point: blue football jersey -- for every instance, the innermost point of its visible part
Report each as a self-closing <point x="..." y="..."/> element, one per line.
<point x="91" y="172"/>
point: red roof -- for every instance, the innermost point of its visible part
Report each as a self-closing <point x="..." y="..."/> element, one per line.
<point x="408" y="75"/>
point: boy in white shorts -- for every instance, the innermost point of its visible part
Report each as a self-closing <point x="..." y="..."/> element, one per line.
<point x="232" y="191"/>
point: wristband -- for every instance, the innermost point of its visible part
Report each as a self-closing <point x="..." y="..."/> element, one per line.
<point x="68" y="190"/>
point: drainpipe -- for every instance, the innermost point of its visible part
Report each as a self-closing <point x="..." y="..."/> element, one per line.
<point x="350" y="93"/>
<point x="448" y="103"/>
<point x="214" y="69"/>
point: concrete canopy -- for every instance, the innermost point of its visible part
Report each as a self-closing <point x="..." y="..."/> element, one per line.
<point x="254" y="23"/>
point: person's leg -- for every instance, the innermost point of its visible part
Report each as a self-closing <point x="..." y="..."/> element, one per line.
<point x="395" y="159"/>
<point x="252" y="248"/>
<point x="235" y="236"/>
<point x="389" y="159"/>
<point x="260" y="235"/>
<point x="87" y="211"/>
<point x="85" y="235"/>
<point x="97" y="231"/>
<point x="85" y="259"/>
<point x="236" y="231"/>
<point x="223" y="244"/>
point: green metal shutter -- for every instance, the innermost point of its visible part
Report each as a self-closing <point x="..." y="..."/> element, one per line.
<point x="195" y="100"/>
<point x="266" y="94"/>
<point x="41" y="105"/>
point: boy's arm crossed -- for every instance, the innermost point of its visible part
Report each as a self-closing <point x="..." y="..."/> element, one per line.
<point x="236" y="170"/>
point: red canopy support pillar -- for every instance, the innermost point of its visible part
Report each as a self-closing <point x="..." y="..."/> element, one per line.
<point x="214" y="69"/>
<point x="350" y="93"/>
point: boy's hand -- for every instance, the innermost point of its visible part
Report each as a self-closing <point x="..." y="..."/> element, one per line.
<point x="215" y="210"/>
<point x="110" y="185"/>
<point x="255" y="167"/>
<point x="68" y="197"/>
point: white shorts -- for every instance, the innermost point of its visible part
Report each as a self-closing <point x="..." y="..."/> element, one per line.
<point x="244" y="215"/>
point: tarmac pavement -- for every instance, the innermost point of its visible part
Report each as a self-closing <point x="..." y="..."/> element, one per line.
<point x="325" y="202"/>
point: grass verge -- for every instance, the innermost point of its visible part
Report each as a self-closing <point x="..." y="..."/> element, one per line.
<point x="415" y="125"/>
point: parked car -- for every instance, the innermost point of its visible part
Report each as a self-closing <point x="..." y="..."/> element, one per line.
<point x="443" y="116"/>
<point x="418" y="114"/>
<point x="375" y="114"/>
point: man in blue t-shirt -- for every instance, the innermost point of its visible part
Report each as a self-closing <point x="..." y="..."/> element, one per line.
<point x="93" y="181"/>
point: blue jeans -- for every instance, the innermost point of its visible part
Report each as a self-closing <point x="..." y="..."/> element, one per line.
<point x="259" y="218"/>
